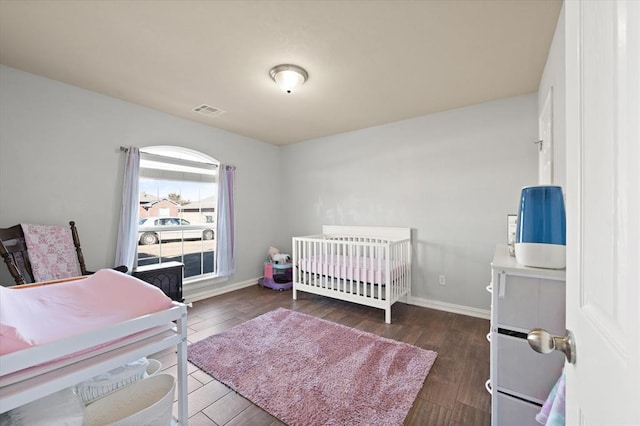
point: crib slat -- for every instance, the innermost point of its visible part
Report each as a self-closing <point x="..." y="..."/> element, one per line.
<point x="351" y="269"/>
<point x="378" y="271"/>
<point x="308" y="257"/>
<point x="319" y="262"/>
<point x="332" y="266"/>
<point x="369" y="272"/>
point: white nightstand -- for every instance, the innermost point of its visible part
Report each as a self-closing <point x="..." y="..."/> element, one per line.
<point x="522" y="298"/>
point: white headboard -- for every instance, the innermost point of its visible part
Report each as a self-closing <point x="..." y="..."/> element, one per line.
<point x="368" y="231"/>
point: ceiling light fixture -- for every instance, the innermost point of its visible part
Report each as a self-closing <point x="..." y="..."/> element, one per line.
<point x="288" y="77"/>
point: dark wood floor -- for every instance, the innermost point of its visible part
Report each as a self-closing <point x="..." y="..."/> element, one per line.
<point x="453" y="393"/>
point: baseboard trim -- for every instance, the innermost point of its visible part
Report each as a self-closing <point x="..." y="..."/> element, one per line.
<point x="199" y="295"/>
<point x="449" y="307"/>
<point x="411" y="300"/>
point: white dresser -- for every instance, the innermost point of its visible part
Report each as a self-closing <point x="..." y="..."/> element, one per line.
<point x="522" y="298"/>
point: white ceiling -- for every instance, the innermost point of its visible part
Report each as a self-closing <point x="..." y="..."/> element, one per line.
<point x="369" y="62"/>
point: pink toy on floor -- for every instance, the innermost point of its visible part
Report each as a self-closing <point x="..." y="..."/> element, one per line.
<point x="277" y="277"/>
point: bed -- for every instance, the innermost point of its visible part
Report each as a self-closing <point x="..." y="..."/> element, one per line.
<point x="366" y="265"/>
<point x="36" y="363"/>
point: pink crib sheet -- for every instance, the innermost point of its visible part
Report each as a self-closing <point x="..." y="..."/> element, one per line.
<point x="39" y="315"/>
<point x="362" y="269"/>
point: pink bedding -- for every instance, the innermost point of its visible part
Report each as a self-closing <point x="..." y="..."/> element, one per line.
<point x="362" y="269"/>
<point x="39" y="315"/>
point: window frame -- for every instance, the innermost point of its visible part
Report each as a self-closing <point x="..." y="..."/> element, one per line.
<point x="191" y="164"/>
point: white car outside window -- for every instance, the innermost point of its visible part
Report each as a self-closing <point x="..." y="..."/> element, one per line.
<point x="151" y="230"/>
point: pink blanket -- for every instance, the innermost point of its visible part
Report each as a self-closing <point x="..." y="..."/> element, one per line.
<point x="40" y="315"/>
<point x="51" y="252"/>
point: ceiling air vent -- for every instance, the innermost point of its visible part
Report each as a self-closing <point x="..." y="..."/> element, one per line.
<point x="207" y="110"/>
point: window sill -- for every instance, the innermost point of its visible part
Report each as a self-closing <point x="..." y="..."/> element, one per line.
<point x="206" y="279"/>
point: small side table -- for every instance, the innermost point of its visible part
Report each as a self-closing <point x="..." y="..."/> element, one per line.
<point x="166" y="276"/>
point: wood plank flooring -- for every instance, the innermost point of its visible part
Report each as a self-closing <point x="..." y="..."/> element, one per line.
<point x="453" y="393"/>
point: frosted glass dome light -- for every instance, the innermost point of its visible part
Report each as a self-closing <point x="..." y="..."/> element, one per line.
<point x="288" y="77"/>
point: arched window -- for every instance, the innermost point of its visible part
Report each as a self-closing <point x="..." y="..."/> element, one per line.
<point x="177" y="212"/>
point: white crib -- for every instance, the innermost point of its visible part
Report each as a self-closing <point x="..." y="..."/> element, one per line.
<point x="366" y="265"/>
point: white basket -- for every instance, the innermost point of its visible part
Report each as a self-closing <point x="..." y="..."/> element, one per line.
<point x="60" y="408"/>
<point x="154" y="367"/>
<point x="117" y="378"/>
<point x="148" y="402"/>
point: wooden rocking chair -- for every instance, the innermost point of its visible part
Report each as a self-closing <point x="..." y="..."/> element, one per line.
<point x="13" y="250"/>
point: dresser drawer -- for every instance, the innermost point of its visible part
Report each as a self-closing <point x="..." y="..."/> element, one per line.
<point x="525" y="303"/>
<point x="514" y="412"/>
<point x="524" y="372"/>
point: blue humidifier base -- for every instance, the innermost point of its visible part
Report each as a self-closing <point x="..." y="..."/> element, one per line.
<point x="538" y="255"/>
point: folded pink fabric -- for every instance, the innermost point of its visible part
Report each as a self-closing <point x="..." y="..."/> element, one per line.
<point x="39" y="315"/>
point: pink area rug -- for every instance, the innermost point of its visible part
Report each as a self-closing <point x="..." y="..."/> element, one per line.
<point x="308" y="371"/>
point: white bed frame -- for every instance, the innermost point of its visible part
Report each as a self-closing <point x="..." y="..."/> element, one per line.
<point x="371" y="249"/>
<point x="29" y="374"/>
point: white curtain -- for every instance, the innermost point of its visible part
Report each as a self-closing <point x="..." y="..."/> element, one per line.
<point x="225" y="230"/>
<point x="128" y="228"/>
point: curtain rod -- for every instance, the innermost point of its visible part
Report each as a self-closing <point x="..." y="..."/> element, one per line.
<point x="125" y="149"/>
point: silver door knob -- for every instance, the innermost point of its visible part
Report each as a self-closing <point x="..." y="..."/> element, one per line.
<point x="542" y="341"/>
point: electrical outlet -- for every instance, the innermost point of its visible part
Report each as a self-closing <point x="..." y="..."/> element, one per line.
<point x="441" y="280"/>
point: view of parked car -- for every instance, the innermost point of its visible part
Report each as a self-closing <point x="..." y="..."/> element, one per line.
<point x="150" y="230"/>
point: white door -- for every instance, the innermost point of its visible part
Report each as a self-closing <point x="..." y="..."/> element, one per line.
<point x="545" y="143"/>
<point x="603" y="213"/>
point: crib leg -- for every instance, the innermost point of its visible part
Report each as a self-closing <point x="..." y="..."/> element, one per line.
<point x="293" y="292"/>
<point x="387" y="315"/>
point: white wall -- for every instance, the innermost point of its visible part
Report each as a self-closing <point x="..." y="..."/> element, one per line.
<point x="60" y="160"/>
<point x="554" y="76"/>
<point x="452" y="177"/>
